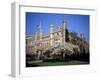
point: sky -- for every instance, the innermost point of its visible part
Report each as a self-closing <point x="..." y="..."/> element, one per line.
<point x="75" y="22"/>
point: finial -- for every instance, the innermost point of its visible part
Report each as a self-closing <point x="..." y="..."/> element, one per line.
<point x="64" y="21"/>
<point x="51" y="26"/>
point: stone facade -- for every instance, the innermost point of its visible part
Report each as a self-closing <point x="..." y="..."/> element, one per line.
<point x="39" y="42"/>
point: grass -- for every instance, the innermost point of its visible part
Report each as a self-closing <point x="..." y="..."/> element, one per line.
<point x="58" y="63"/>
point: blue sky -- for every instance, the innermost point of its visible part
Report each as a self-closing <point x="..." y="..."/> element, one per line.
<point x="77" y="23"/>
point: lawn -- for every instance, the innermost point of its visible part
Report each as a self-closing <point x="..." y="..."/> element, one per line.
<point x="57" y="63"/>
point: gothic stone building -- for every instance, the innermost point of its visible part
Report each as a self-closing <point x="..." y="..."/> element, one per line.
<point x="39" y="42"/>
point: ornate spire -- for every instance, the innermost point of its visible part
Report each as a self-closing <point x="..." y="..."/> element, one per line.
<point x="51" y="28"/>
<point x="64" y="21"/>
<point x="40" y="27"/>
<point x="40" y="30"/>
<point x="64" y="24"/>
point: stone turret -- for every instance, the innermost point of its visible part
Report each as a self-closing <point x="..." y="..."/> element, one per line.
<point x="51" y="28"/>
<point x="64" y="30"/>
<point x="64" y="24"/>
<point x="51" y="34"/>
<point x="81" y="35"/>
